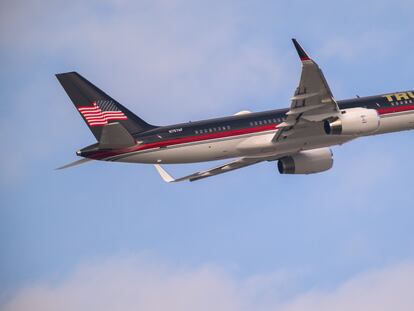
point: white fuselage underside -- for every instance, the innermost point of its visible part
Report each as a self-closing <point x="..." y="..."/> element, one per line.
<point x="257" y="144"/>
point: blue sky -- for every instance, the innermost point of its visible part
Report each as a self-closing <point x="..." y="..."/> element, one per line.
<point x="114" y="236"/>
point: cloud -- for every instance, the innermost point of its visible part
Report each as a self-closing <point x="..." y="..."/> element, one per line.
<point x="133" y="285"/>
<point x="168" y="61"/>
<point x="154" y="55"/>
<point x="386" y="290"/>
<point x="137" y="284"/>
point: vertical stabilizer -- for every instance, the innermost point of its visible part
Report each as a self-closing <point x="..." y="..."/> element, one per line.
<point x="97" y="108"/>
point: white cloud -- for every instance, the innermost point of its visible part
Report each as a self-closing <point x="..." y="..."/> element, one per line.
<point x="137" y="284"/>
<point x="386" y="290"/>
<point x="168" y="61"/>
<point x="182" y="57"/>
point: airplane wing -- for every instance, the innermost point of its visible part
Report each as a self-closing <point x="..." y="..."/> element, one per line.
<point x="234" y="165"/>
<point x="313" y="100"/>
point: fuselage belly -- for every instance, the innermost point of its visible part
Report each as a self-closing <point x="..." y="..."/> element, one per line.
<point x="218" y="149"/>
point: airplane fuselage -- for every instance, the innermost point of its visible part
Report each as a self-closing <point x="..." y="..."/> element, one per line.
<point x="297" y="138"/>
<point x="251" y="135"/>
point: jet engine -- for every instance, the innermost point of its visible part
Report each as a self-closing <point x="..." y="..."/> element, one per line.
<point x="353" y="122"/>
<point x="306" y="162"/>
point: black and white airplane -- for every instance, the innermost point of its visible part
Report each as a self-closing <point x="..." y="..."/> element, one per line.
<point x="298" y="138"/>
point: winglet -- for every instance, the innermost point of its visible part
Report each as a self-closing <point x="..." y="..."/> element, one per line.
<point x="163" y="173"/>
<point x="301" y="52"/>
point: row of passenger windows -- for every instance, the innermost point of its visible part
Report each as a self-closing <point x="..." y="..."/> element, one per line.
<point x="267" y="121"/>
<point x="228" y="127"/>
<point x="403" y="102"/>
<point x="213" y="129"/>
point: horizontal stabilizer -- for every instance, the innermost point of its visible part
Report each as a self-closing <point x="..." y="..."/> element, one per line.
<point x="78" y="162"/>
<point x="115" y="136"/>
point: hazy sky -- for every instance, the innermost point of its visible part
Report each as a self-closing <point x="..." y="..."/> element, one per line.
<point x="110" y="236"/>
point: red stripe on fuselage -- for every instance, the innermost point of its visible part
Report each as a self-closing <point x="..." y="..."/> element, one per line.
<point x="183" y="140"/>
<point x="395" y="109"/>
<point x="105" y="154"/>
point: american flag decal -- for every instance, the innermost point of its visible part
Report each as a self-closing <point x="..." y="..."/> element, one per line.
<point x="101" y="112"/>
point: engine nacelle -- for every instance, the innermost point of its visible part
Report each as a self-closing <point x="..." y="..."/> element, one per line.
<point x="306" y="162"/>
<point x="353" y="122"/>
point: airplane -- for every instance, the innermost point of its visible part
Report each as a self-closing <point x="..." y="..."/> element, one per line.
<point x="298" y="138"/>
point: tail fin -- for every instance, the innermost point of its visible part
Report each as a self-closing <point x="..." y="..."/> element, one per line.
<point x="97" y="108"/>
